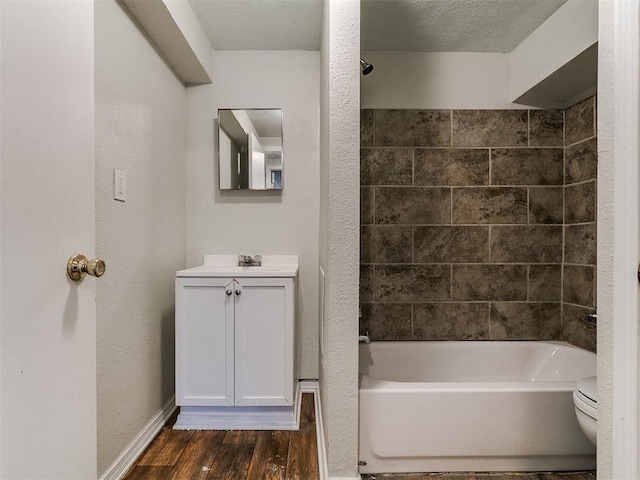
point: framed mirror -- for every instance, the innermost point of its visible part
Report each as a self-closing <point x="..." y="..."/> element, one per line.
<point x="250" y="155"/>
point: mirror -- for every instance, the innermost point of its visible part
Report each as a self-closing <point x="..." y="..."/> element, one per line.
<point x="250" y="149"/>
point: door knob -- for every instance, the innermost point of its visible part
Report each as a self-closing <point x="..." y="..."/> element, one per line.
<point x="229" y="292"/>
<point x="78" y="266"/>
<point x="238" y="291"/>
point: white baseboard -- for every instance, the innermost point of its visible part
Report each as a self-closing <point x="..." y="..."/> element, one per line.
<point x="312" y="386"/>
<point x="133" y="451"/>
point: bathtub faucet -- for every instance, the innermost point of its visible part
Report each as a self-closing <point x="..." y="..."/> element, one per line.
<point x="363" y="339"/>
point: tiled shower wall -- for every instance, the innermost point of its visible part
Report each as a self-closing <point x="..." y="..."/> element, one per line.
<point x="462" y="225"/>
<point x="579" y="276"/>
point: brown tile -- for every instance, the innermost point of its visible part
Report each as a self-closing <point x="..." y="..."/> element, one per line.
<point x="525" y="321"/>
<point x="579" y="285"/>
<point x="366" y="205"/>
<point x="581" y="161"/>
<point x="413" y="205"/>
<point x="450" y="321"/>
<point x="366" y="283"/>
<point x="546" y="128"/>
<point x="451" y="167"/>
<point x="489" y="282"/>
<point x="451" y="244"/>
<point x="545" y="205"/>
<point x="527" y="166"/>
<point x="580" y="203"/>
<point x="386" y="166"/>
<point x="580" y="121"/>
<point x="366" y="128"/>
<point x="386" y="321"/>
<point x="413" y="128"/>
<point x="412" y="283"/>
<point x="385" y="244"/>
<point x="580" y="244"/>
<point x="489" y="128"/>
<point x="526" y="244"/>
<point x="489" y="205"/>
<point x="575" y="328"/>
<point x="545" y="283"/>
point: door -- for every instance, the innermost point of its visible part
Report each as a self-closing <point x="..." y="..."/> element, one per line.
<point x="47" y="213"/>
<point x="264" y="342"/>
<point x="204" y="341"/>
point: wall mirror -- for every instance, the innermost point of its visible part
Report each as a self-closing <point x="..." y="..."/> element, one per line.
<point x="250" y="149"/>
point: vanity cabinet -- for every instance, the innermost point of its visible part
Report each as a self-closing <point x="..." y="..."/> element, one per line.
<point x="235" y="349"/>
<point x="234" y="341"/>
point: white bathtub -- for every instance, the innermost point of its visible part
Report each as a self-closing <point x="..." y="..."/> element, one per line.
<point x="472" y="406"/>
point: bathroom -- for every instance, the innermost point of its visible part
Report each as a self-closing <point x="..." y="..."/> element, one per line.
<point x="129" y="112"/>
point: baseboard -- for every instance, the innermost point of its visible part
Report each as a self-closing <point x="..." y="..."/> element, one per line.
<point x="312" y="386"/>
<point x="130" y="454"/>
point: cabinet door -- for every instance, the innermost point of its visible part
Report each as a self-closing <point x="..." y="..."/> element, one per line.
<point x="264" y="341"/>
<point x="204" y="342"/>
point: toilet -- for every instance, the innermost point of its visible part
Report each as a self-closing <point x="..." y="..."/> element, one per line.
<point x="585" y="399"/>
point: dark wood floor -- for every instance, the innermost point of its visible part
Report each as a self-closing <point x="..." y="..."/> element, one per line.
<point x="485" y="476"/>
<point x="233" y="455"/>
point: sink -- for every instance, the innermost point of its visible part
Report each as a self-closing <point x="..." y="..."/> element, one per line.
<point x="226" y="266"/>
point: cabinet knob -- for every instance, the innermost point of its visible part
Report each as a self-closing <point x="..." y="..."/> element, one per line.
<point x="238" y="292"/>
<point x="229" y="292"/>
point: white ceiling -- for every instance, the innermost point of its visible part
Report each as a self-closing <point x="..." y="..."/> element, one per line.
<point x="404" y="25"/>
<point x="451" y="25"/>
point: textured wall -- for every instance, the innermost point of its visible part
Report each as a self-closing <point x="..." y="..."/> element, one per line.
<point x="339" y="250"/>
<point x="141" y="123"/>
<point x="273" y="222"/>
<point x="462" y="224"/>
<point x="579" y="269"/>
<point x="608" y="90"/>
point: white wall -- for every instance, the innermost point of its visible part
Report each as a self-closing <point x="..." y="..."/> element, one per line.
<point x="571" y="30"/>
<point x="618" y="237"/>
<point x="436" y="80"/>
<point x="340" y="239"/>
<point x="606" y="135"/>
<point x="141" y="123"/>
<point x="47" y="165"/>
<point x="264" y="223"/>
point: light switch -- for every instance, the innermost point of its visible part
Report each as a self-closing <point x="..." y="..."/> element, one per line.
<point x="119" y="185"/>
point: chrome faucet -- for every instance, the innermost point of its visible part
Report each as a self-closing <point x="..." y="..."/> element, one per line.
<point x="363" y="339"/>
<point x="249" y="261"/>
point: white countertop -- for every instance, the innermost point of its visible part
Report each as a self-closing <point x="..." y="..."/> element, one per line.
<point x="227" y="266"/>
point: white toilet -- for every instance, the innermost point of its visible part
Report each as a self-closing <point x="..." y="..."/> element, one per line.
<point x="585" y="398"/>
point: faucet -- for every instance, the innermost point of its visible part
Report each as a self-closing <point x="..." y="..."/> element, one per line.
<point x="364" y="339"/>
<point x="249" y="261"/>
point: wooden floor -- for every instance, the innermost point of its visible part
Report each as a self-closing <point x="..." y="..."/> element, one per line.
<point x="485" y="476"/>
<point x="233" y="455"/>
<point x="270" y="455"/>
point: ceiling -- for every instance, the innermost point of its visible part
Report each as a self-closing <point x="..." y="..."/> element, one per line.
<point x="403" y="25"/>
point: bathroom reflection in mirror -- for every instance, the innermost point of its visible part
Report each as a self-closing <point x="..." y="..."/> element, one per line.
<point x="250" y="153"/>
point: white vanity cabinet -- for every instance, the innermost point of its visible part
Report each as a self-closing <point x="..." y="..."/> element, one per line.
<point x="235" y="347"/>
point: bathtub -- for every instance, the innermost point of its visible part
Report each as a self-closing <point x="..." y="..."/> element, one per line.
<point x="471" y="406"/>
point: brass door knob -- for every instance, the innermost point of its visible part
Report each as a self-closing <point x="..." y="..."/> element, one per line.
<point x="78" y="266"/>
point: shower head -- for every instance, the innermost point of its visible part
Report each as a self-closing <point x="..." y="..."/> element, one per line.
<point x="367" y="68"/>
